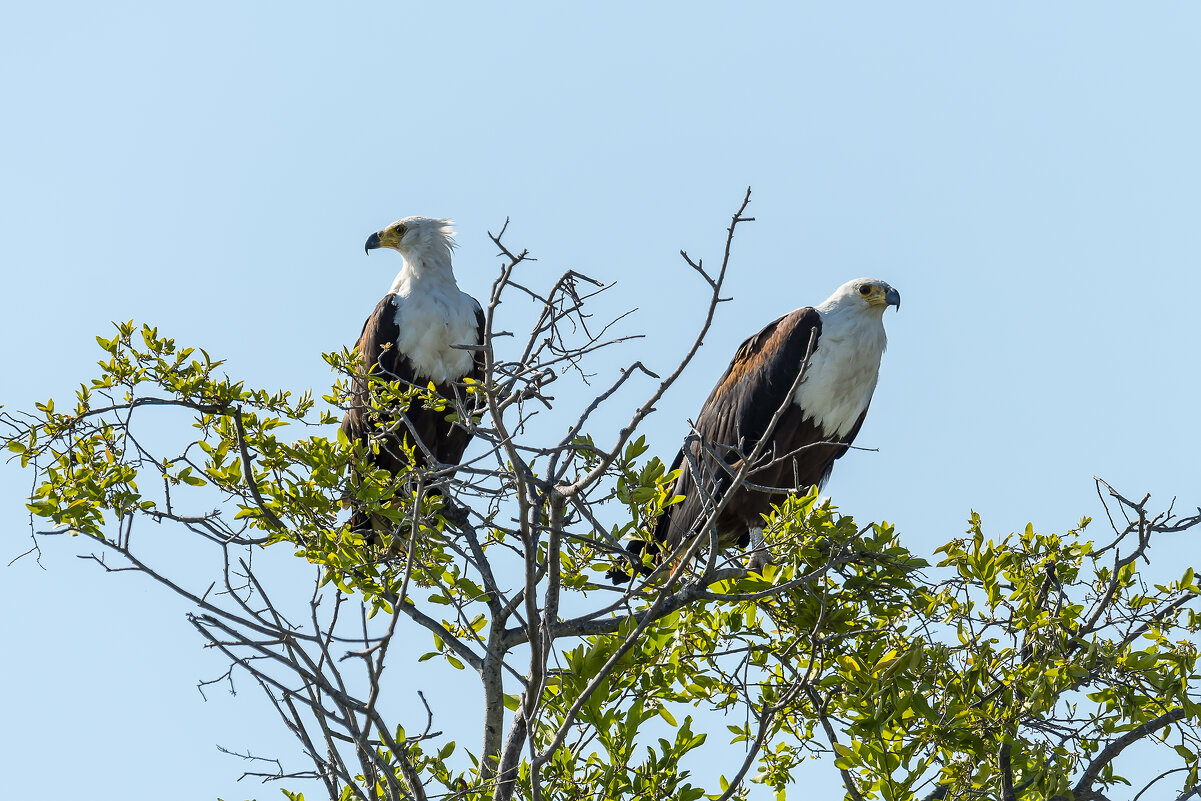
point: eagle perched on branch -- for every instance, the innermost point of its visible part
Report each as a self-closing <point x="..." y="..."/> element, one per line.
<point x="817" y="424"/>
<point x="424" y="331"/>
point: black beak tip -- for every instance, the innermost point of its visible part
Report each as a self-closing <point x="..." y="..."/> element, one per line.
<point x="372" y="243"/>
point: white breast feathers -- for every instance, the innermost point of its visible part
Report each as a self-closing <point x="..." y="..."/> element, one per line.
<point x="430" y="322"/>
<point x="842" y="372"/>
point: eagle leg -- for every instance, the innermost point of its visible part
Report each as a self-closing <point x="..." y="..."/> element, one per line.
<point x="759" y="557"/>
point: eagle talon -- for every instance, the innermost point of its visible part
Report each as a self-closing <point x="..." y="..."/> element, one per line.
<point x="758" y="562"/>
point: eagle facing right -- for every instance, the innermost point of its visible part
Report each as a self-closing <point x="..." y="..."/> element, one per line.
<point x="816" y="428"/>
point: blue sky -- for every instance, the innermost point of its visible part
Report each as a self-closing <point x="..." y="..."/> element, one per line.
<point x="1026" y="174"/>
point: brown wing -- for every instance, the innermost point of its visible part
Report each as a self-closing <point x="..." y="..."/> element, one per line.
<point x="732" y="421"/>
<point x="378" y="356"/>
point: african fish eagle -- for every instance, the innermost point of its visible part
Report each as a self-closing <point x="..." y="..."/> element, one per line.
<point x="826" y="411"/>
<point x="411" y="336"/>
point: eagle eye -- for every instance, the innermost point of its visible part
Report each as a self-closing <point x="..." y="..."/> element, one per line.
<point x="865" y="290"/>
<point x="400" y="230"/>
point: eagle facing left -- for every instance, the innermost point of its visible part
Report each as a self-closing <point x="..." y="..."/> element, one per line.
<point x="412" y="337"/>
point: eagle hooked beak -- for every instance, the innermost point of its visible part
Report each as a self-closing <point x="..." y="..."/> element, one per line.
<point x="893" y="298"/>
<point x="372" y="243"/>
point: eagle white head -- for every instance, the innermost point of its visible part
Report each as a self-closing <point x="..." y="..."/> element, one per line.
<point x="862" y="295"/>
<point x="838" y="387"/>
<point x="422" y="241"/>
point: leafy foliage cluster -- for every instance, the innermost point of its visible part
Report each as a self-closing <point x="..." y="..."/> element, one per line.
<point x="1018" y="668"/>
